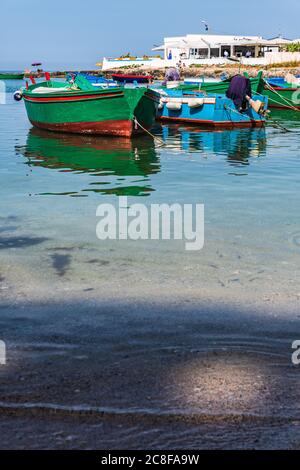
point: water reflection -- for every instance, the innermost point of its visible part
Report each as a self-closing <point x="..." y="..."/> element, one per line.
<point x="238" y="145"/>
<point x="118" y="166"/>
<point x="126" y="167"/>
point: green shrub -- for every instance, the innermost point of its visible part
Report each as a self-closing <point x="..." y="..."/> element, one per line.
<point x="294" y="47"/>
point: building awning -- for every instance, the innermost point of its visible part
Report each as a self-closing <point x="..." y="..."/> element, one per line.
<point x="263" y="43"/>
<point x="178" y="45"/>
<point x="183" y="44"/>
<point x="280" y="40"/>
<point x="201" y="43"/>
<point x="159" y="48"/>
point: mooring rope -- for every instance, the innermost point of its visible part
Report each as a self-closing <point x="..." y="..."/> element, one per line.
<point x="277" y="125"/>
<point x="288" y="106"/>
<point x="159" y="140"/>
<point x="273" y="123"/>
<point x="282" y="97"/>
<point x="227" y="108"/>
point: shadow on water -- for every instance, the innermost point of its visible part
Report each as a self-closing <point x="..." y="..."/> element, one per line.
<point x="20" y="242"/>
<point x="168" y="374"/>
<point x="125" y="163"/>
<point x="61" y="263"/>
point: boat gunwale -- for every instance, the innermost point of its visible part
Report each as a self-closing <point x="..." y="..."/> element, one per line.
<point x="66" y="93"/>
<point x="83" y="96"/>
<point x="279" y="88"/>
<point x="109" y="92"/>
<point x="68" y="99"/>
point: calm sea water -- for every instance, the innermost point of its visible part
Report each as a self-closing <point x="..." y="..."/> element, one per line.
<point x="248" y="181"/>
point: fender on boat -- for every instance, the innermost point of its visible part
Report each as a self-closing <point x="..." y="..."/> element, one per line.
<point x="18" y="95"/>
<point x="174" y="105"/>
<point x="195" y="102"/>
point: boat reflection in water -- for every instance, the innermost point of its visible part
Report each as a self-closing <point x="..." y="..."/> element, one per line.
<point x="238" y="146"/>
<point x="118" y="165"/>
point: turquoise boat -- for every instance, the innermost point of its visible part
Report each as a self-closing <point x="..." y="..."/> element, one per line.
<point x="211" y="110"/>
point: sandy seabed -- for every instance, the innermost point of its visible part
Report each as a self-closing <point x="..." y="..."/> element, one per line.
<point x="137" y="370"/>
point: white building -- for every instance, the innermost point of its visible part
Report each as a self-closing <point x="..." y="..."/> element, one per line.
<point x="216" y="48"/>
<point x="211" y="49"/>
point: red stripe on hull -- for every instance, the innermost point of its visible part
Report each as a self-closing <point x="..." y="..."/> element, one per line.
<point x="284" y="106"/>
<point x="222" y="125"/>
<point x="52" y="99"/>
<point x="121" y="128"/>
<point x="278" y="88"/>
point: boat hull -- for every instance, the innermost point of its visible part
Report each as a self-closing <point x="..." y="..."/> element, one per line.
<point x="118" y="112"/>
<point x="215" y="124"/>
<point x="120" y="128"/>
<point x="131" y="78"/>
<point x="11" y="76"/>
<point x="221" y="87"/>
<point x="282" y="97"/>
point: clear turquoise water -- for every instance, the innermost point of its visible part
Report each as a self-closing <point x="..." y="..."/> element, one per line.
<point x="247" y="179"/>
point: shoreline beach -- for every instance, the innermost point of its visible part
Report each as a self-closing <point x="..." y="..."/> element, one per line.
<point x="95" y="373"/>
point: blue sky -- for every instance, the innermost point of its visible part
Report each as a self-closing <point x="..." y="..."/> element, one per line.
<point x="77" y="33"/>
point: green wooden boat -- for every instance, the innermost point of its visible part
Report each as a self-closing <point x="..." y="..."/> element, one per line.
<point x="280" y="97"/>
<point x="287" y="97"/>
<point x="11" y="76"/>
<point x="222" y="87"/>
<point x="81" y="108"/>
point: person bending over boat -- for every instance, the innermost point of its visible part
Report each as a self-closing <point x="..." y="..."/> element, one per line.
<point x="172" y="75"/>
<point x="240" y="93"/>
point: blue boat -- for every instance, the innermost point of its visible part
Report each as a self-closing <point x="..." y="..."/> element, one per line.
<point x="196" y="107"/>
<point x="101" y="82"/>
<point x="279" y="82"/>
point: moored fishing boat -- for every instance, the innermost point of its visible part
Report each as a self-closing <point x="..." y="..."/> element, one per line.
<point x="81" y="108"/>
<point x="283" y="96"/>
<point x="11" y="76"/>
<point x="281" y="93"/>
<point x="131" y="78"/>
<point x="95" y="80"/>
<point x="220" y="87"/>
<point x="210" y="110"/>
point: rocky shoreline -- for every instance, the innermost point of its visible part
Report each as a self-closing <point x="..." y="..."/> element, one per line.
<point x="214" y="71"/>
<point x="208" y="71"/>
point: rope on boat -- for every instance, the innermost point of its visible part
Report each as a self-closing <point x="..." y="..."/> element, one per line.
<point x="160" y="141"/>
<point x="276" y="124"/>
<point x="273" y="123"/>
<point x="227" y="108"/>
<point x="282" y="97"/>
<point x="288" y="105"/>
